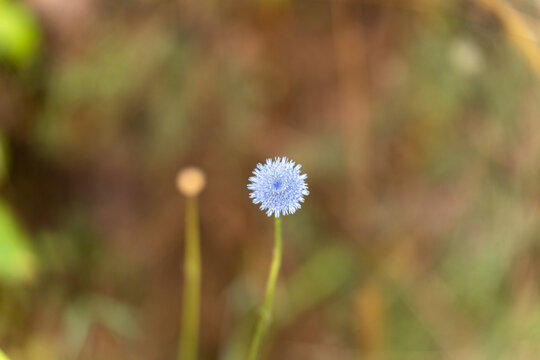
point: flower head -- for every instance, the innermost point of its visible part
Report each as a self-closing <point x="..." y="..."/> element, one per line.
<point x="190" y="181"/>
<point x="278" y="186"/>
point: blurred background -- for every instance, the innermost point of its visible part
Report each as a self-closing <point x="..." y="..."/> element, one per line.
<point x="417" y="122"/>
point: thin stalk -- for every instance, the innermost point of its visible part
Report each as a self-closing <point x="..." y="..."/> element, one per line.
<point x="189" y="333"/>
<point x="265" y="314"/>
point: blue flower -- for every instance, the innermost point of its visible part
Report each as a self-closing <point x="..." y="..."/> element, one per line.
<point x="278" y="186"/>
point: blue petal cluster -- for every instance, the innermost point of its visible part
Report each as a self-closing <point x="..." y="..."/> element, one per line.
<point x="278" y="186"/>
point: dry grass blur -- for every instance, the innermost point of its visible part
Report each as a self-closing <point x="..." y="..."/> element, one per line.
<point x="417" y="123"/>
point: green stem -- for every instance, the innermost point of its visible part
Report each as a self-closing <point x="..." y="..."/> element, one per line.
<point x="265" y="314"/>
<point x="189" y="333"/>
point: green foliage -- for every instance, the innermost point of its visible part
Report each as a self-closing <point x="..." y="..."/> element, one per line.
<point x="407" y="333"/>
<point x="3" y="356"/>
<point x="17" y="261"/>
<point x="20" y="37"/>
<point x="322" y="275"/>
<point x="114" y="315"/>
<point x="142" y="83"/>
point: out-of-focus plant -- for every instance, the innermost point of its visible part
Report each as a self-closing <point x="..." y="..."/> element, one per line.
<point x="190" y="182"/>
<point x="519" y="32"/>
<point x="3" y="356"/>
<point x="97" y="309"/>
<point x="17" y="260"/>
<point x="112" y="74"/>
<point x="20" y="37"/>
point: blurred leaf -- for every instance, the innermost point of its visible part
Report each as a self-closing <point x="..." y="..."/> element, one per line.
<point x="406" y="331"/>
<point x="478" y="264"/>
<point x="19" y="33"/>
<point x="3" y="356"/>
<point x="520" y="33"/>
<point x="17" y="260"/>
<point x="114" y="315"/>
<point x="322" y="275"/>
<point x="77" y="324"/>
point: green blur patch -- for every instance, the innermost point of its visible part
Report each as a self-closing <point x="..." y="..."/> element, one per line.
<point x="17" y="260"/>
<point x="20" y="36"/>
